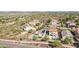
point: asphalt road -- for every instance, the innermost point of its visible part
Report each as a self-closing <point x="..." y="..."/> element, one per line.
<point x="20" y="44"/>
<point x="14" y="45"/>
<point x="26" y="44"/>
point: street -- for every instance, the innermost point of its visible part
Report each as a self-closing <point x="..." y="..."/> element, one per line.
<point x="21" y="44"/>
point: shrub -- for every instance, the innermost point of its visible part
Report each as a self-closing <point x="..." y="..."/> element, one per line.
<point x="68" y="41"/>
<point x="2" y="46"/>
<point x="57" y="43"/>
<point x="46" y="38"/>
<point x="37" y="24"/>
<point x="35" y="37"/>
<point x="30" y="31"/>
<point x="77" y="23"/>
<point x="49" y="20"/>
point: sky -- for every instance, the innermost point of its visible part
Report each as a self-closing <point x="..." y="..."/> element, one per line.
<point x="39" y="5"/>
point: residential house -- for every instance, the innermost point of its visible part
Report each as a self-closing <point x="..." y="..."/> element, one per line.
<point x="66" y="33"/>
<point x="21" y="18"/>
<point x="42" y="32"/>
<point x="77" y="30"/>
<point x="77" y="34"/>
<point x="28" y="28"/>
<point x="34" y="22"/>
<point x="39" y="34"/>
<point x="52" y="33"/>
<point x="71" y="24"/>
<point x="55" y="23"/>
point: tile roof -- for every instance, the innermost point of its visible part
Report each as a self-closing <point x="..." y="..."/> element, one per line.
<point x="53" y="29"/>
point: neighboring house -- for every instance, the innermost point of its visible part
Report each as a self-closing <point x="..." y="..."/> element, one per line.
<point x="77" y="34"/>
<point x="66" y="33"/>
<point x="28" y="28"/>
<point x="21" y="18"/>
<point x="34" y="22"/>
<point x="55" y="23"/>
<point x="77" y="30"/>
<point x="70" y="24"/>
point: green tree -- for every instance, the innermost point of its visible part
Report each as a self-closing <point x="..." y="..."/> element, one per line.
<point x="57" y="43"/>
<point x="77" y="22"/>
<point x="62" y="21"/>
<point x="71" y="17"/>
<point x="16" y="19"/>
<point x="49" y="20"/>
<point x="68" y="41"/>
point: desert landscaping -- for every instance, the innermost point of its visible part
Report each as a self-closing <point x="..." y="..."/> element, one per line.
<point x="39" y="29"/>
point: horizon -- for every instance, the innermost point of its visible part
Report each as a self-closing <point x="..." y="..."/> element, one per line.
<point x="39" y="11"/>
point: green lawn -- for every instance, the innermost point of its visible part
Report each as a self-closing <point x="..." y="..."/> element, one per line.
<point x="2" y="46"/>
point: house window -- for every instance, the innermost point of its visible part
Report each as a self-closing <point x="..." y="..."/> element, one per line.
<point x="54" y="36"/>
<point x="47" y="32"/>
<point x="43" y="31"/>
